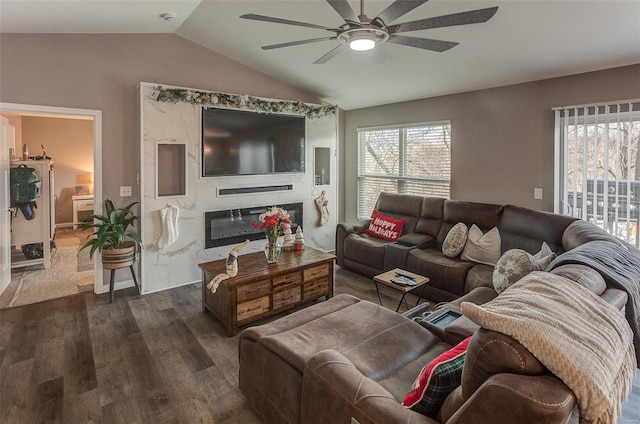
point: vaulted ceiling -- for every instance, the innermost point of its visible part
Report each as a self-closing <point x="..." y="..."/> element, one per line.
<point x="526" y="40"/>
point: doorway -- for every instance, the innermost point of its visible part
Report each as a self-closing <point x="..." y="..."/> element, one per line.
<point x="75" y="182"/>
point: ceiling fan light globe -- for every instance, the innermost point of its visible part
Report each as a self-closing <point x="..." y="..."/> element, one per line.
<point x="362" y="44"/>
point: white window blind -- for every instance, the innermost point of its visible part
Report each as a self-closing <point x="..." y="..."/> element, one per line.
<point x="598" y="165"/>
<point x="411" y="159"/>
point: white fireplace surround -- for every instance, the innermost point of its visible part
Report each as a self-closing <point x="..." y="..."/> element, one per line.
<point x="180" y="122"/>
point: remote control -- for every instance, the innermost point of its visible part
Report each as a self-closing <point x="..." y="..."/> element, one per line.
<point x="402" y="281"/>
<point x="402" y="274"/>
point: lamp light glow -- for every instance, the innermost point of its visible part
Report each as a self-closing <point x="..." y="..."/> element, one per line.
<point x="362" y="43"/>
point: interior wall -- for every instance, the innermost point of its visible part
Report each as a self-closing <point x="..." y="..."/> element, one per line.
<point x="102" y="72"/>
<point x="502" y="138"/>
<point x="177" y="264"/>
<point x="70" y="143"/>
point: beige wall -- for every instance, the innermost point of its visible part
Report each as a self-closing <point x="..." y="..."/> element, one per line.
<point x="502" y="138"/>
<point x="70" y="143"/>
<point x="102" y="72"/>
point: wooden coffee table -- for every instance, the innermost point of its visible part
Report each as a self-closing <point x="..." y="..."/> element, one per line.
<point x="261" y="289"/>
<point x="385" y="278"/>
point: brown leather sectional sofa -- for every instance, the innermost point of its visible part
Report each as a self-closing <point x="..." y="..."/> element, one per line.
<point x="419" y="249"/>
<point x="347" y="359"/>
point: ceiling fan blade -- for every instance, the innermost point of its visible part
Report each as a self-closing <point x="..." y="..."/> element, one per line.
<point x="344" y="10"/>
<point x="422" y="43"/>
<point x="296" y="43"/>
<point x="380" y="56"/>
<point x="397" y="9"/>
<point x="330" y="55"/>
<point x="462" y="18"/>
<point x="263" y="18"/>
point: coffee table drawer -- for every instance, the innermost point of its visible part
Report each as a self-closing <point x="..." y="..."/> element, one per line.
<point x="316" y="289"/>
<point x="286" y="297"/>
<point x="316" y="272"/>
<point x="287" y="280"/>
<point x="253" y="290"/>
<point x="252" y="308"/>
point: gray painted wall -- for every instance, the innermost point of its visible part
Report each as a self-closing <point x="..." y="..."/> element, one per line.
<point x="102" y="72"/>
<point x="502" y="138"/>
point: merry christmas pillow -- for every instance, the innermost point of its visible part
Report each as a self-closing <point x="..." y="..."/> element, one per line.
<point x="385" y="227"/>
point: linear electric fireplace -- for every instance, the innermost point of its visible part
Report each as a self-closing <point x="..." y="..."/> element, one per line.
<point x="233" y="226"/>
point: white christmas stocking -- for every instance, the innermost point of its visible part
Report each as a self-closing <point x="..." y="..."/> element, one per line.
<point x="169" y="222"/>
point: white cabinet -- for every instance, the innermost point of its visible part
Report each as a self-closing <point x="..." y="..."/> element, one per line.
<point x="41" y="228"/>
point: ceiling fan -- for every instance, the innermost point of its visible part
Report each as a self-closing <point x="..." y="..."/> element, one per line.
<point x="362" y="33"/>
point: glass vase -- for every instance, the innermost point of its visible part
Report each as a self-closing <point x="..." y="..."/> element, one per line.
<point x="272" y="249"/>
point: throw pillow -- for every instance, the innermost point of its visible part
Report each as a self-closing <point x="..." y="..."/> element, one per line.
<point x="455" y="240"/>
<point x="385" y="227"/>
<point x="482" y="248"/>
<point x="511" y="267"/>
<point x="436" y="381"/>
<point x="516" y="263"/>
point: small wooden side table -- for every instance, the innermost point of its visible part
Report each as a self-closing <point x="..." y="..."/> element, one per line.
<point x="385" y="278"/>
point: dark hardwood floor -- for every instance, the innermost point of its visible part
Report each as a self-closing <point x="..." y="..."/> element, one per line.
<point x="143" y="359"/>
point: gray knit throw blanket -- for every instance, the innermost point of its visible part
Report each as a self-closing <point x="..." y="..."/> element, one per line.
<point x="579" y="337"/>
<point x="619" y="267"/>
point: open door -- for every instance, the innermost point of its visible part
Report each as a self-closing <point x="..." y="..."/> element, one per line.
<point x="5" y="217"/>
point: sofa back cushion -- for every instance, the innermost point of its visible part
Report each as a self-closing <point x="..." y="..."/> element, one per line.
<point x="400" y="206"/>
<point x="484" y="215"/>
<point x="526" y="229"/>
<point x="580" y="232"/>
<point x="430" y="219"/>
<point x="492" y="353"/>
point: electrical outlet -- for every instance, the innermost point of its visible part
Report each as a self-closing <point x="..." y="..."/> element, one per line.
<point x="537" y="193"/>
<point x="125" y="191"/>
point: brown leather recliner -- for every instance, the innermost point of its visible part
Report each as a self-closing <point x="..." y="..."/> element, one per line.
<point x="501" y="383"/>
<point x="347" y="358"/>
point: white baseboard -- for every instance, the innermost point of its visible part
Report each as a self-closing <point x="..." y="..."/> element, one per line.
<point x="64" y="225"/>
<point x="167" y="288"/>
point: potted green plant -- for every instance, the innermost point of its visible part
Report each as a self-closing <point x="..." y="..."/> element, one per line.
<point x="111" y="236"/>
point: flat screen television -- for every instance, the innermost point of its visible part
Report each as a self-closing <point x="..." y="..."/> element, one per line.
<point x="238" y="142"/>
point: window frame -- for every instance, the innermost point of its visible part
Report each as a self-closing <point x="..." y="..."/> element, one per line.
<point x="402" y="177"/>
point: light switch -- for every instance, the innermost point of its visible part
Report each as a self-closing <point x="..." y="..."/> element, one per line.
<point x="537" y="193"/>
<point x="125" y="191"/>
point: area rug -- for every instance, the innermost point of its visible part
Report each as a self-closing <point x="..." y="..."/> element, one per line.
<point x="63" y="278"/>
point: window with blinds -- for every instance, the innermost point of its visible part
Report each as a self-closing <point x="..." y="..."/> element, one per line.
<point x="412" y="159"/>
<point x="598" y="166"/>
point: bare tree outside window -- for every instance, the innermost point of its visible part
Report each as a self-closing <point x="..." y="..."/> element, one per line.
<point x="409" y="160"/>
<point x="601" y="161"/>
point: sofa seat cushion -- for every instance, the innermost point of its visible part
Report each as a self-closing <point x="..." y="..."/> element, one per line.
<point x="419" y="240"/>
<point x="480" y="275"/>
<point x="365" y="249"/>
<point x="444" y="273"/>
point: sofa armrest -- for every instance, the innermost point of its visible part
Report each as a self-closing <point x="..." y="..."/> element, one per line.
<point x="513" y="398"/>
<point x="334" y="391"/>
<point x="342" y="232"/>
